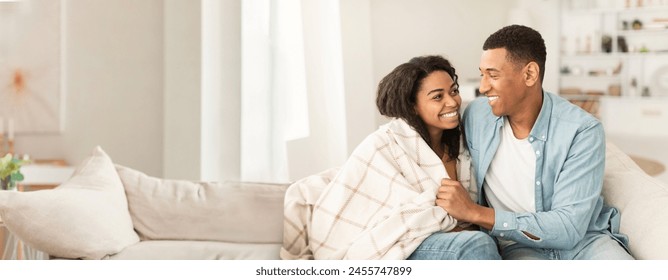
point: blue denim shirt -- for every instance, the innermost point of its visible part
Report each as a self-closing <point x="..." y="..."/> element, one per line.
<point x="570" y="161"/>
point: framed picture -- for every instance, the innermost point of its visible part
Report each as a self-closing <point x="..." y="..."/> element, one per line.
<point x="31" y="65"/>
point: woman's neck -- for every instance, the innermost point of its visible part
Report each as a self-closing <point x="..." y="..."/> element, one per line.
<point x="435" y="137"/>
<point x="441" y="151"/>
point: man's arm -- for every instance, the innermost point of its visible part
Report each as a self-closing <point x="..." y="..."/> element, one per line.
<point x="576" y="195"/>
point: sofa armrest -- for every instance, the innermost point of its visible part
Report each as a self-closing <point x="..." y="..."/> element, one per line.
<point x="642" y="201"/>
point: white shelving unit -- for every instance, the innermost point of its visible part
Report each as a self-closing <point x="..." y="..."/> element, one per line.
<point x="634" y="62"/>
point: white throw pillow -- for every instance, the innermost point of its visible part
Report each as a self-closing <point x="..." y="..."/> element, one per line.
<point x="84" y="218"/>
<point x="184" y="210"/>
<point x="642" y="201"/>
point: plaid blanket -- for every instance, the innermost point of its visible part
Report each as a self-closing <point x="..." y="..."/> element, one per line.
<point x="379" y="205"/>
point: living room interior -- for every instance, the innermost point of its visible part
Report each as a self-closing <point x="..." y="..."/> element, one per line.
<point x="273" y="91"/>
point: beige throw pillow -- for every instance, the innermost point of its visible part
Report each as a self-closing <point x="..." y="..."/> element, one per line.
<point x="183" y="210"/>
<point x="642" y="201"/>
<point x="84" y="218"/>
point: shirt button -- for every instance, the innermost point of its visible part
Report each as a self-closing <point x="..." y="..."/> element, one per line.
<point x="543" y="137"/>
<point x="505" y="224"/>
<point x="538" y="183"/>
<point x="502" y="234"/>
<point x="530" y="139"/>
<point x="538" y="153"/>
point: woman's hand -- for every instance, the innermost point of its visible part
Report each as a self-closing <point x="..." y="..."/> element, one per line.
<point x="455" y="199"/>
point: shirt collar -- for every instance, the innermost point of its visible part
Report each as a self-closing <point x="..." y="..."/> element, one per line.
<point x="540" y="128"/>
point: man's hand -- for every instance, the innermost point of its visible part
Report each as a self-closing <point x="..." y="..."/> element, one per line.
<point x="455" y="199"/>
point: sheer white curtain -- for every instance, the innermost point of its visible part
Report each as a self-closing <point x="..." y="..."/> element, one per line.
<point x="292" y="114"/>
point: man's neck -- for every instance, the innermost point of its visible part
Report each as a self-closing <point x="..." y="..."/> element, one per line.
<point x="523" y="120"/>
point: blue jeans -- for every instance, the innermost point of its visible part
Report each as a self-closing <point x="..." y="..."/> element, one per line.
<point x="463" y="245"/>
<point x="594" y="246"/>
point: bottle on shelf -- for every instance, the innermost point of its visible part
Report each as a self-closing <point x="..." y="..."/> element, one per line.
<point x="633" y="91"/>
<point x="645" y="92"/>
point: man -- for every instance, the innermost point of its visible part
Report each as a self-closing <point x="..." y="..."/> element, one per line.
<point x="538" y="161"/>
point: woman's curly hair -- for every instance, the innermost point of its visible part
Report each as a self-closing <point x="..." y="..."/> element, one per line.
<point x="397" y="97"/>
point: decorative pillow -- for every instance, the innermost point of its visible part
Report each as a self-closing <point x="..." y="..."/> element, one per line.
<point x="642" y="201"/>
<point x="84" y="218"/>
<point x="184" y="210"/>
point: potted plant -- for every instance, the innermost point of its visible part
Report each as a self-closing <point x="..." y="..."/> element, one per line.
<point x="10" y="172"/>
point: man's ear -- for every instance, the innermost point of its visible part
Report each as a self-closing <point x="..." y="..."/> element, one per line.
<point x="531" y="73"/>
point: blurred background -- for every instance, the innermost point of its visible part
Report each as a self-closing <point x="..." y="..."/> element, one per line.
<point x="263" y="90"/>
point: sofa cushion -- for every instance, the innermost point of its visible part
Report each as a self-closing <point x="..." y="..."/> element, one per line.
<point x="84" y="218"/>
<point x="198" y="250"/>
<point x="164" y="209"/>
<point x="642" y="200"/>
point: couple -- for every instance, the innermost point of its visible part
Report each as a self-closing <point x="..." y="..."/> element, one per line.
<point x="519" y="178"/>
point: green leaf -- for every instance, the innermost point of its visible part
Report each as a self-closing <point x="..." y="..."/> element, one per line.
<point x="10" y="166"/>
<point x="17" y="177"/>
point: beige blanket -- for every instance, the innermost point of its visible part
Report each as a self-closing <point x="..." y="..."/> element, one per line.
<point x="379" y="205"/>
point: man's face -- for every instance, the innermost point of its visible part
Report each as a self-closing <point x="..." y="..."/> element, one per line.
<point x="502" y="82"/>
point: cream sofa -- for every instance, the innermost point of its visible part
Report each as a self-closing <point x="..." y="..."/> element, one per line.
<point x="199" y="220"/>
<point x="108" y="211"/>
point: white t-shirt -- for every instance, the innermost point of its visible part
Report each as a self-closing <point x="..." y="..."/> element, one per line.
<point x="509" y="182"/>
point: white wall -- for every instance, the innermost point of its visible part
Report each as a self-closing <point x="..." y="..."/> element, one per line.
<point x="133" y="75"/>
<point x="358" y="76"/>
<point x="543" y="16"/>
<point x="133" y="80"/>
<point x="183" y="78"/>
<point x="113" y="85"/>
<point x="326" y="145"/>
<point x="202" y="90"/>
<point x="221" y="85"/>
<point x="230" y="151"/>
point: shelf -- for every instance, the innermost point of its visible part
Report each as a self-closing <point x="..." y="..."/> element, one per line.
<point x="588" y="77"/>
<point x="586" y="96"/>
<point x="589" y="11"/>
<point x="621" y="11"/>
<point x="643" y="32"/>
<point x="611" y="75"/>
<point x="613" y="55"/>
<point x="598" y="55"/>
<point x="589" y="103"/>
<point x="642" y="10"/>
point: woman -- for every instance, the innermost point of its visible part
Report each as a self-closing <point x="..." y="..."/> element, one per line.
<point x="381" y="204"/>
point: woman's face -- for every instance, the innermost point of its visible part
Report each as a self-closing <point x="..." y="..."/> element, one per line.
<point x="438" y="102"/>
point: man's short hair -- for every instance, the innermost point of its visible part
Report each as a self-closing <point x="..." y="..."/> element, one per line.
<point x="522" y="43"/>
